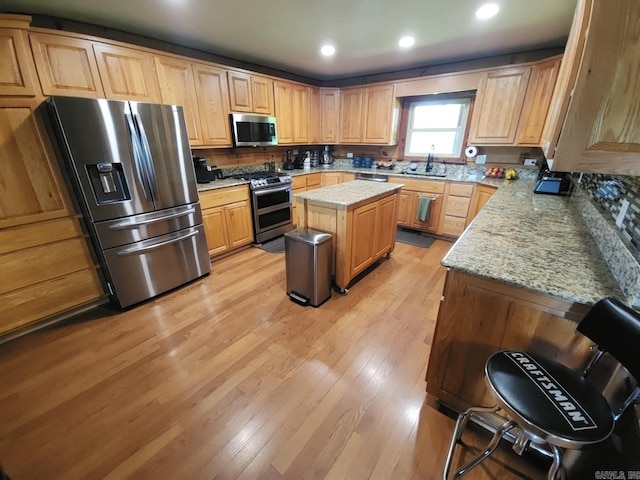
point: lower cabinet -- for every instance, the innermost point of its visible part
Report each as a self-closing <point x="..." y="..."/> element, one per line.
<point x="227" y="218"/>
<point x="478" y="317"/>
<point x="409" y="203"/>
<point x="457" y="202"/>
<point x="481" y="196"/>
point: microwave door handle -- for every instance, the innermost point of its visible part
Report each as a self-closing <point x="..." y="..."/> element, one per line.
<point x="141" y="171"/>
<point x="148" y="158"/>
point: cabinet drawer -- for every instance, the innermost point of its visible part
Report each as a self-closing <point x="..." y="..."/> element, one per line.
<point x="457" y="206"/>
<point x="453" y="225"/>
<point x="299" y="181"/>
<point x="223" y="196"/>
<point x="426" y="186"/>
<point x="461" y="189"/>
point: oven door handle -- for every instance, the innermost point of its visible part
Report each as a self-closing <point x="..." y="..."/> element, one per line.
<point x="259" y="193"/>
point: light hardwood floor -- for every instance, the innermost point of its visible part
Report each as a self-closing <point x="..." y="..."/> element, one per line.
<point x="227" y="378"/>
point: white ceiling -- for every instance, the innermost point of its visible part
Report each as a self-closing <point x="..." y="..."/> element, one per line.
<point x="287" y="34"/>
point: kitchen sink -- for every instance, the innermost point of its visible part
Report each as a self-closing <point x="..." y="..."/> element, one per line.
<point x="435" y="174"/>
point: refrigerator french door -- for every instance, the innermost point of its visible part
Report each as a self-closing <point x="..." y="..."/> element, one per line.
<point x="130" y="166"/>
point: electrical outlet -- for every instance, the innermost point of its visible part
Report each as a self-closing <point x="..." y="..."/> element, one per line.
<point x="623" y="212"/>
<point x="350" y="155"/>
<point x="529" y="162"/>
<point x="481" y="159"/>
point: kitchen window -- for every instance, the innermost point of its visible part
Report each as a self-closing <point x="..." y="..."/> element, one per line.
<point x="436" y="125"/>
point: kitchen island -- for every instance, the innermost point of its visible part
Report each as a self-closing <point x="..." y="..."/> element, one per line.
<point x="521" y="276"/>
<point x="361" y="216"/>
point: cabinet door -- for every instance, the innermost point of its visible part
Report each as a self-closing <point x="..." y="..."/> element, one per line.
<point x="351" y="106"/>
<point x="315" y="133"/>
<point x="536" y="103"/>
<point x="215" y="229"/>
<point x="31" y="186"/>
<point x="378" y="114"/>
<point x="239" y="224"/>
<point x="66" y="66"/>
<point x="331" y="178"/>
<point x="498" y="106"/>
<point x="363" y="237"/>
<point x="386" y="220"/>
<point x="262" y="93"/>
<point x="213" y="104"/>
<point x="329" y="115"/>
<point x="432" y="222"/>
<point x="482" y="195"/>
<point x="240" y="96"/>
<point x="127" y="74"/>
<point x="177" y="87"/>
<point x="283" y="96"/>
<point x="300" y="112"/>
<point x="405" y="204"/>
<point x="17" y="76"/>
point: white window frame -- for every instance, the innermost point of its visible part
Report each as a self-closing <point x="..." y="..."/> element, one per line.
<point x="461" y="129"/>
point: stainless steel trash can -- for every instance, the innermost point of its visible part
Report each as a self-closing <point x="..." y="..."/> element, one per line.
<point x="308" y="263"/>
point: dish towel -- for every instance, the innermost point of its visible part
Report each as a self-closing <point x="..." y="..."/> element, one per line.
<point x="424" y="207"/>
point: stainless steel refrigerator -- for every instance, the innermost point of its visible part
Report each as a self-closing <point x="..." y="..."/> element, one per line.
<point x="131" y="168"/>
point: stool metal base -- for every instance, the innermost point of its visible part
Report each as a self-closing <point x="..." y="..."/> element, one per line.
<point x="486" y="417"/>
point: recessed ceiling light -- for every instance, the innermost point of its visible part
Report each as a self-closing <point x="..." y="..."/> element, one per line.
<point x="406" y="42"/>
<point x="328" y="50"/>
<point x="487" y="11"/>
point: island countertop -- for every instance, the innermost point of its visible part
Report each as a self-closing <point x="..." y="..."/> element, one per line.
<point x="534" y="241"/>
<point x="349" y="193"/>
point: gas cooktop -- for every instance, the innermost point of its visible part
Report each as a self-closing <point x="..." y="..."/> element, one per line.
<point x="263" y="179"/>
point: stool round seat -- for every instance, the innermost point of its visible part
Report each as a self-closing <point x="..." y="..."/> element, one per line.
<point x="556" y="404"/>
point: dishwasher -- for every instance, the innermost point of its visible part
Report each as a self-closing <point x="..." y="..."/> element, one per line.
<point x="372" y="177"/>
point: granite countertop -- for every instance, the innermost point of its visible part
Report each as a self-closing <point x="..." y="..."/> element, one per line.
<point x="539" y="242"/>
<point x="348" y="193"/>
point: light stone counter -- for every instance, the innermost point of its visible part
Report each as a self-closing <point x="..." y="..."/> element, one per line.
<point x="348" y="194"/>
<point x="534" y="241"/>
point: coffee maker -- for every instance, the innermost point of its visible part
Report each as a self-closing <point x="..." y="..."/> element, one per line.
<point x="205" y="173"/>
<point x="326" y="159"/>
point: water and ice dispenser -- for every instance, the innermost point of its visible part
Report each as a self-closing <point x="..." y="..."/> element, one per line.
<point x="108" y="182"/>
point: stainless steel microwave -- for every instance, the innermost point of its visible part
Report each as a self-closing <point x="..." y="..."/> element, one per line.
<point x="250" y="130"/>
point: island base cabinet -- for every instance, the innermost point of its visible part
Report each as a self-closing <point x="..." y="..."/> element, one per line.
<point x="478" y="317"/>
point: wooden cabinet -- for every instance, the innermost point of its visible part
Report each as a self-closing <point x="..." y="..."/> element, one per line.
<point x="331" y="178"/>
<point x="177" y="87"/>
<point x="66" y="66"/>
<point x="369" y="115"/>
<point x="127" y="74"/>
<point x="478" y="317"/>
<point x="537" y="101"/>
<point x="250" y="93"/>
<point x="213" y="104"/>
<point x="498" y="106"/>
<point x="303" y="183"/>
<point x="601" y="130"/>
<point x="38" y="227"/>
<point x="227" y="218"/>
<point x="409" y="202"/>
<point x="481" y="195"/>
<point x="17" y="73"/>
<point x="351" y="114"/>
<point x="329" y="115"/>
<point x="315" y="120"/>
<point x="457" y="201"/>
<point x="292" y="112"/>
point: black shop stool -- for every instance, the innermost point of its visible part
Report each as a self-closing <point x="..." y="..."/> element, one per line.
<point x="550" y="405"/>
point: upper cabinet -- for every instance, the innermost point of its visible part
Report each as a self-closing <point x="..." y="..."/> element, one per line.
<point x="369" y="115"/>
<point x="66" y="66"/>
<point x="250" y="93"/>
<point x="498" y="105"/>
<point x="329" y="115"/>
<point x="292" y="103"/>
<point x="177" y="87"/>
<point x="127" y="74"/>
<point x="17" y="76"/>
<point x="213" y="104"/>
<point x="601" y="131"/>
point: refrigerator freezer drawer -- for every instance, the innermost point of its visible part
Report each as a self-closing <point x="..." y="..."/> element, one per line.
<point x="144" y="269"/>
<point x="147" y="225"/>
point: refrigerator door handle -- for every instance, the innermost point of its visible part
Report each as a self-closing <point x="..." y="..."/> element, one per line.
<point x="141" y="169"/>
<point x="148" y="158"/>
<point x="146" y="248"/>
<point x="134" y="224"/>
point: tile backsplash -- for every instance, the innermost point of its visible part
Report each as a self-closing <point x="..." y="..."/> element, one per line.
<point x="608" y="193"/>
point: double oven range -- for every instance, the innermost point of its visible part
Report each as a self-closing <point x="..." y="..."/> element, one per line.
<point x="271" y="202"/>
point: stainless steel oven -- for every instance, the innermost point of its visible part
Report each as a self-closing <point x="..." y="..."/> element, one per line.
<point x="271" y="200"/>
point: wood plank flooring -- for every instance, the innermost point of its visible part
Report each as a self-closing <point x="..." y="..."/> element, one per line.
<point x="227" y="378"/>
